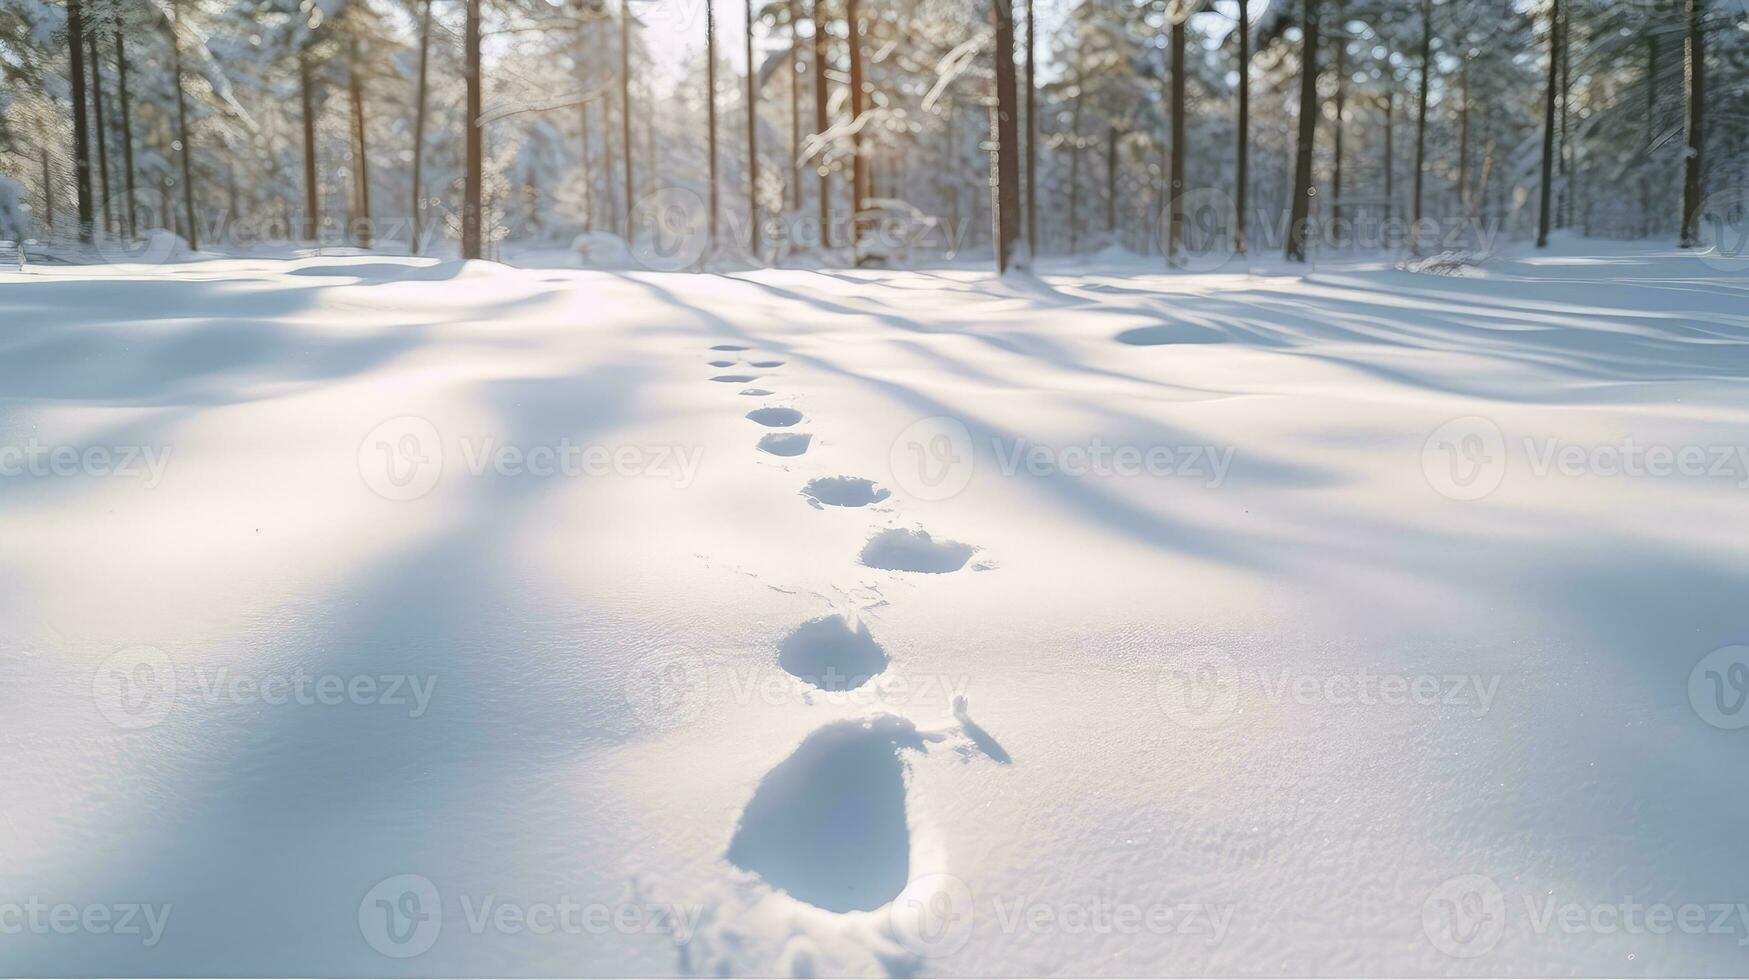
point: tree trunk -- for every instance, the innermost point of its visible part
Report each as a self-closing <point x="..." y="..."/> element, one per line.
<point x="1544" y="206"/>
<point x="421" y="91"/>
<point x="858" y="166"/>
<point x="1646" y="208"/>
<point x="1299" y="215"/>
<point x="1075" y="177"/>
<point x="1110" y="180"/>
<point x="48" y="191"/>
<point x="1464" y="139"/>
<point x="1175" y="206"/>
<point x="820" y="122"/>
<point x="361" y="161"/>
<point x="1031" y="136"/>
<point x="625" y="103"/>
<point x="97" y="126"/>
<point x="710" y="117"/>
<point x="312" y="206"/>
<point x="1341" y="38"/>
<point x="1421" y="123"/>
<point x="752" y="138"/>
<point x="795" y="109"/>
<point x="1007" y="126"/>
<point x="1390" y="154"/>
<point x="182" y="124"/>
<point x="1696" y="92"/>
<point x="1563" y="216"/>
<point x="81" y="135"/>
<point x="127" y="132"/>
<point x="1242" y="174"/>
<point x="474" y="163"/>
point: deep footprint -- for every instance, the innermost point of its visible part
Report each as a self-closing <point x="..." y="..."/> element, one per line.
<point x="899" y="550"/>
<point x="776" y="418"/>
<point x="844" y="491"/>
<point x="827" y="825"/>
<point x="785" y="443"/>
<point x="830" y="655"/>
<point x="739" y="379"/>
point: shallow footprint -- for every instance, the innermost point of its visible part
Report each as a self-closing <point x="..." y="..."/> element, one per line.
<point x="844" y="491"/>
<point x="721" y="364"/>
<point x="766" y="364"/>
<point x="830" y="655"/>
<point x="827" y="825"/>
<point x="899" y="550"/>
<point x="785" y="443"/>
<point x="739" y="379"/>
<point x="755" y="392"/>
<point x="728" y="347"/>
<point x="776" y="418"/>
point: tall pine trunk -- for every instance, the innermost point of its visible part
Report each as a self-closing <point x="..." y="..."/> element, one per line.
<point x="1545" y="206"/>
<point x="1421" y="123"/>
<point x="1110" y="180"/>
<point x="795" y="109"/>
<point x="1007" y="134"/>
<point x="1175" y="206"/>
<point x="474" y="164"/>
<point x="710" y="116"/>
<point x="858" y="165"/>
<point x="420" y="98"/>
<point x="1031" y="134"/>
<point x="1340" y="36"/>
<point x="1300" y="209"/>
<point x="1696" y="92"/>
<point x="361" y="155"/>
<point x="1242" y="172"/>
<point x="182" y="125"/>
<point x="127" y="132"/>
<point x="1464" y="139"/>
<point x="307" y="93"/>
<point x="625" y="104"/>
<point x="752" y="138"/>
<point x="1646" y="208"/>
<point x="97" y="126"/>
<point x="1390" y="165"/>
<point x="81" y="136"/>
<point x="820" y="121"/>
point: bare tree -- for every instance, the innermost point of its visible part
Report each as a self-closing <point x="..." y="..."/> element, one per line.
<point x="752" y="135"/>
<point x="81" y="137"/>
<point x="1421" y="123"/>
<point x="820" y="122"/>
<point x="1242" y="174"/>
<point x="97" y="125"/>
<point x="1544" y="206"/>
<point x="710" y="114"/>
<point x="182" y="123"/>
<point x="127" y="131"/>
<point x="1300" y="208"/>
<point x="473" y="168"/>
<point x="1695" y="89"/>
<point x="418" y="211"/>
<point x="1006" y="131"/>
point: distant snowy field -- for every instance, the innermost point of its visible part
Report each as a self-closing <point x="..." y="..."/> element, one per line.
<point x="374" y="616"/>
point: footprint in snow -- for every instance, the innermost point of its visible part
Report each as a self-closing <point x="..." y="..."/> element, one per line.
<point x="766" y="364"/>
<point x="828" y="824"/>
<point x="899" y="550"/>
<point x="729" y="347"/>
<point x="776" y="418"/>
<point x="785" y="443"/>
<point x="832" y="655"/>
<point x="755" y="392"/>
<point x="844" y="491"/>
<point x="721" y="364"/>
<point x="737" y="379"/>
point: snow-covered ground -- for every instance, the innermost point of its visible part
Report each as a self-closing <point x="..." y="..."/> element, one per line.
<point x="373" y="616"/>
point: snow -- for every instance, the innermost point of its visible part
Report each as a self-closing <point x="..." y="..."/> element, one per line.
<point x="1099" y="622"/>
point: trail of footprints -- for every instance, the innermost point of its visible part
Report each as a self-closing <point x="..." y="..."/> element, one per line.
<point x="828" y="824"/>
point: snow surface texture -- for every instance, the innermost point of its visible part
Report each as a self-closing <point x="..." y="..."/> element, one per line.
<point x="449" y="619"/>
